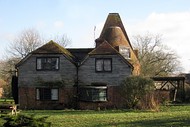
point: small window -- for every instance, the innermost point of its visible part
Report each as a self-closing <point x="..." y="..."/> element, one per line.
<point x="94" y="93"/>
<point x="46" y="94"/>
<point x="103" y="65"/>
<point x="47" y="63"/>
<point x="125" y="52"/>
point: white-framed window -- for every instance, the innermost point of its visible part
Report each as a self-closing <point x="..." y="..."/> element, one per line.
<point x="47" y="63"/>
<point x="103" y="65"/>
<point x="47" y="94"/>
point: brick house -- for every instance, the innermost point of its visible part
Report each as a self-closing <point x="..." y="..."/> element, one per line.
<point x="52" y="77"/>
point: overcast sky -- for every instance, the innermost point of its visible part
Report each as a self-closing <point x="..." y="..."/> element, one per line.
<point x="77" y="18"/>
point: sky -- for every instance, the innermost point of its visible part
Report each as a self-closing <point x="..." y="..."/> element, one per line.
<point x="77" y="19"/>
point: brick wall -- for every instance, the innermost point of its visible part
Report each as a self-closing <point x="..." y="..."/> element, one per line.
<point x="27" y="99"/>
<point x="115" y="100"/>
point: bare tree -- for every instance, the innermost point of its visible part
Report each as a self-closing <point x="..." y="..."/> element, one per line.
<point x="7" y="67"/>
<point x="155" y="58"/>
<point x="27" y="41"/>
<point x="63" y="40"/>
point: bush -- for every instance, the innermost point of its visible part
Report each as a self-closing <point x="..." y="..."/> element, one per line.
<point x="25" y="121"/>
<point x="134" y="89"/>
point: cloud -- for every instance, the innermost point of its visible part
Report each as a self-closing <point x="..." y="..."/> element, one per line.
<point x="58" y="24"/>
<point x="174" y="28"/>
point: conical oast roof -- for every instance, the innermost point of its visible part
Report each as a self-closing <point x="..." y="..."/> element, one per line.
<point x="114" y="19"/>
<point x="114" y="35"/>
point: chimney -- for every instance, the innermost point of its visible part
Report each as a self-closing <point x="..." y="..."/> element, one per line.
<point x="99" y="41"/>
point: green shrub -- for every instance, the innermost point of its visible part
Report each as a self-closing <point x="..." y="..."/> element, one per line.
<point x="25" y="121"/>
<point x="134" y="89"/>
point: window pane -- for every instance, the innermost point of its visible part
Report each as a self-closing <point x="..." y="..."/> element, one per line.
<point x="102" y="95"/>
<point x="54" y="94"/>
<point x="47" y="64"/>
<point x="37" y="94"/>
<point x="99" y="65"/>
<point x="39" y="64"/>
<point x="53" y="63"/>
<point x="57" y="64"/>
<point x="107" y="64"/>
<point x="95" y="95"/>
<point x="46" y="94"/>
<point x="125" y="52"/>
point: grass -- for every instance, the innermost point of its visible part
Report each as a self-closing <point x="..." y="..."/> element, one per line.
<point x="4" y="100"/>
<point x="169" y="116"/>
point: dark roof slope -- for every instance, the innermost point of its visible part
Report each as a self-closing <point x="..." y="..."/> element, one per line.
<point x="104" y="48"/>
<point x="52" y="47"/>
<point x="80" y="53"/>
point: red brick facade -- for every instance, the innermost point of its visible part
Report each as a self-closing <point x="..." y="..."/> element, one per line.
<point x="67" y="99"/>
<point x="27" y="99"/>
<point x="114" y="100"/>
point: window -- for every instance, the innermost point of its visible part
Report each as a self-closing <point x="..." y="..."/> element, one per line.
<point x="103" y="65"/>
<point x="93" y="93"/>
<point x="46" y="94"/>
<point x="125" y="51"/>
<point x="47" y="63"/>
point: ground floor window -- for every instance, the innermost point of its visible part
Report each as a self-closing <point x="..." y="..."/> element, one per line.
<point x="93" y="93"/>
<point x="47" y="94"/>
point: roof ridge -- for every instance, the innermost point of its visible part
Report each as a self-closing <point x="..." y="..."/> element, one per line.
<point x="98" y="49"/>
<point x="52" y="47"/>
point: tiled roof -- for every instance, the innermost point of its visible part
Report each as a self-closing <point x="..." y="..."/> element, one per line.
<point x="114" y="35"/>
<point x="104" y="48"/>
<point x="52" y="47"/>
<point x="114" y="19"/>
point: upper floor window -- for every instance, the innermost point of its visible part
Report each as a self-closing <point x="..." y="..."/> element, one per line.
<point x="125" y="51"/>
<point x="47" y="63"/>
<point x="103" y="65"/>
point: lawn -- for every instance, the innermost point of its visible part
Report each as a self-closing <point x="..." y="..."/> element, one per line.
<point x="169" y="116"/>
<point x="6" y="100"/>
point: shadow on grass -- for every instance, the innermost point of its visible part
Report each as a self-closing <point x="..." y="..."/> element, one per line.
<point x="167" y="122"/>
<point x="80" y="112"/>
